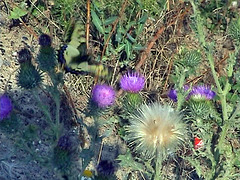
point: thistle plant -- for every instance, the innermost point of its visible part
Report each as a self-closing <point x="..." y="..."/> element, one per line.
<point x="132" y="83"/>
<point x="31" y="78"/>
<point x="206" y="123"/>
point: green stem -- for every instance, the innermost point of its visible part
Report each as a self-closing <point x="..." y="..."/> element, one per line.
<point x="158" y="167"/>
<point x="43" y="107"/>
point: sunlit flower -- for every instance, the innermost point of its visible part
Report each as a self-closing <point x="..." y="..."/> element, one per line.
<point x="132" y="82"/>
<point x="103" y="95"/>
<point x="198" y="143"/>
<point x="5" y="106"/>
<point x="87" y="173"/>
<point x="155" y="128"/>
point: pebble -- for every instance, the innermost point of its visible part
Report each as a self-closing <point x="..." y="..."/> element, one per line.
<point x="15" y="53"/>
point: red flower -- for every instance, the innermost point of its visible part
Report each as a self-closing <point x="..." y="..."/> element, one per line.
<point x="198" y="143"/>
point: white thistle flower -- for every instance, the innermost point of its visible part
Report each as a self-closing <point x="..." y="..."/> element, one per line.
<point x="156" y="128"/>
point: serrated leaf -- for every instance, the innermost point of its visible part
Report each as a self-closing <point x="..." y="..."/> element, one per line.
<point x="141" y="24"/>
<point x="131" y="38"/>
<point x="118" y="36"/>
<point x="138" y="47"/>
<point x="16" y="13"/>
<point x="131" y="24"/>
<point x="97" y="22"/>
<point x="110" y="20"/>
<point x="143" y="19"/>
<point x="128" y="48"/>
<point x="120" y="47"/>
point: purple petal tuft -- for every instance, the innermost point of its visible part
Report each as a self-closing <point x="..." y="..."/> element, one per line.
<point x="103" y="95"/>
<point x="132" y="82"/>
<point x="5" y="106"/>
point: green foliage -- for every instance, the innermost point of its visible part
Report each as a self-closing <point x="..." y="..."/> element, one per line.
<point x="131" y="164"/>
<point x="63" y="10"/>
<point x="18" y="12"/>
<point x="234" y="31"/>
<point x="216" y="13"/>
<point x="124" y="41"/>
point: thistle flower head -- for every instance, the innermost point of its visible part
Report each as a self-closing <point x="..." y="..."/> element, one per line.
<point x="103" y="95"/>
<point x="132" y="82"/>
<point x="202" y="92"/>
<point x="45" y="40"/>
<point x="5" y="106"/>
<point x="173" y="95"/>
<point x="155" y="128"/>
<point x="64" y="143"/>
<point x="24" y="55"/>
<point x="198" y="92"/>
<point x="105" y="168"/>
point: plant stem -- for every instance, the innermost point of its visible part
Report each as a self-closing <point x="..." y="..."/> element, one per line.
<point x="43" y="107"/>
<point x="158" y="167"/>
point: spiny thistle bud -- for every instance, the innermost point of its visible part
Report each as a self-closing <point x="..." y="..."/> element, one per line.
<point x="64" y="143"/>
<point x="28" y="77"/>
<point x="234" y="30"/>
<point x="103" y="95"/>
<point x="132" y="82"/>
<point x="131" y="102"/>
<point x="192" y="58"/>
<point x="46" y="58"/>
<point x="199" y="109"/>
<point x="156" y="128"/>
<point x="5" y="106"/>
<point x="24" y="55"/>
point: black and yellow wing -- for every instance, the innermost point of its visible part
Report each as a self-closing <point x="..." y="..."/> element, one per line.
<point x="74" y="58"/>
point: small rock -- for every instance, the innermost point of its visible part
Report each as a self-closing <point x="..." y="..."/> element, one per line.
<point x="15" y="53"/>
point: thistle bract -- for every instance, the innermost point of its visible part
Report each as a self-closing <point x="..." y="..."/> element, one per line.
<point x="29" y="77"/>
<point x="155" y="128"/>
<point x="46" y="58"/>
<point x="5" y="106"/>
<point x="132" y="82"/>
<point x="103" y="95"/>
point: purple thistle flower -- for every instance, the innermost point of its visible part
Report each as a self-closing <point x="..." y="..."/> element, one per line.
<point x="197" y="92"/>
<point x="5" y="106"/>
<point x="132" y="82"/>
<point x="103" y="95"/>
<point x="45" y="40"/>
<point x="173" y="95"/>
<point x="202" y="91"/>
